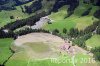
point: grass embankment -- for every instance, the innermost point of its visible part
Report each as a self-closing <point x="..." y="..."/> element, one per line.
<point x="5" y="52"/>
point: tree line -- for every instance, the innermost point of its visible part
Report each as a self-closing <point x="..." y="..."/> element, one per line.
<point x="80" y="36"/>
<point x="96" y="52"/>
<point x="10" y="27"/>
<point x="11" y="34"/>
<point x="29" y="30"/>
<point x="35" y="6"/>
<point x="28" y="21"/>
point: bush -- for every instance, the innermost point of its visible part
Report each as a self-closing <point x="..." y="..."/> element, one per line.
<point x="55" y="32"/>
<point x="11" y="17"/>
<point x="87" y="12"/>
<point x="97" y="14"/>
<point x="96" y="52"/>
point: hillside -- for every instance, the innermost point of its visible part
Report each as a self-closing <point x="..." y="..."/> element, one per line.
<point x="29" y="7"/>
<point x="49" y="32"/>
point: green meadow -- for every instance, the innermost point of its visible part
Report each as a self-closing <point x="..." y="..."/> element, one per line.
<point x="64" y="60"/>
<point x="74" y="21"/>
<point x="20" y="58"/>
<point x="38" y="46"/>
<point x="5" y="52"/>
<point x="94" y="41"/>
<point x="17" y="13"/>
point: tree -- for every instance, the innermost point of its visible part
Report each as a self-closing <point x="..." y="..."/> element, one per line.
<point x="97" y="56"/>
<point x="65" y="30"/>
<point x="87" y="12"/>
<point x="80" y="42"/>
<point x="28" y="21"/>
<point x="35" y="6"/>
<point x="55" y="32"/>
<point x="11" y="17"/>
<point x="96" y="52"/>
<point x="97" y="14"/>
<point x="74" y="32"/>
<point x="98" y="29"/>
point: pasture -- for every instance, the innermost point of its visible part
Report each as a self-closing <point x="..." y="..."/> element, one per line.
<point x="38" y="46"/>
<point x="94" y="41"/>
<point x="74" y="21"/>
<point x="63" y="60"/>
<point x="5" y="52"/>
<point x="17" y="14"/>
<point x="44" y="52"/>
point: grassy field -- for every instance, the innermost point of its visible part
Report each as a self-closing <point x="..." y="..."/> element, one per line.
<point x="94" y="41"/>
<point x="5" y="16"/>
<point x="38" y="46"/>
<point x="18" y="59"/>
<point x="75" y="20"/>
<point x="60" y="25"/>
<point x="82" y="22"/>
<point x="59" y="22"/>
<point x="22" y="60"/>
<point x="18" y="14"/>
<point x="85" y="60"/>
<point x="4" y="49"/>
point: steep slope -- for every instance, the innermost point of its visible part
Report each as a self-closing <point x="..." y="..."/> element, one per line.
<point x="79" y="21"/>
<point x="10" y="4"/>
<point x="74" y="9"/>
